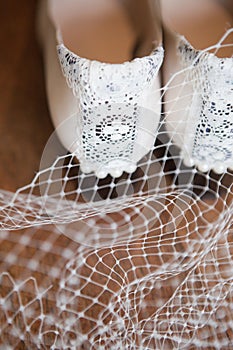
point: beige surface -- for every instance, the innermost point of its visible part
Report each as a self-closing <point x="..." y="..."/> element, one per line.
<point x="25" y="124"/>
<point x="202" y="22"/>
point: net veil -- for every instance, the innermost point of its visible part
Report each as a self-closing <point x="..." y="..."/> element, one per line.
<point x="143" y="261"/>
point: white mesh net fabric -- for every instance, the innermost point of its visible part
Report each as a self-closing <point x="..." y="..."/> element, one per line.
<point x="143" y="261"/>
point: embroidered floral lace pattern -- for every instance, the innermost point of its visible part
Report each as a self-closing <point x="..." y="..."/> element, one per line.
<point x="209" y="136"/>
<point x="109" y="104"/>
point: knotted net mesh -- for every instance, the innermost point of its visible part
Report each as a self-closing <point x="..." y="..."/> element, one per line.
<point x="143" y="261"/>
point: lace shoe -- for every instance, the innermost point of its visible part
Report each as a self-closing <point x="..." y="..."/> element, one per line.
<point x="198" y="104"/>
<point x="105" y="113"/>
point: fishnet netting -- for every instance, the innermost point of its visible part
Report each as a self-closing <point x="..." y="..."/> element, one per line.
<point x="143" y="261"/>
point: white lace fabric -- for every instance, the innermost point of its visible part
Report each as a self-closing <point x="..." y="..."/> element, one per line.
<point x="111" y="103"/>
<point x="208" y="141"/>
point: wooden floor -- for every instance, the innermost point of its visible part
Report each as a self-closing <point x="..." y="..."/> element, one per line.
<point x="25" y="123"/>
<point x="25" y="127"/>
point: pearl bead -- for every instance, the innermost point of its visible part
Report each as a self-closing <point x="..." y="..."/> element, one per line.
<point x="116" y="172"/>
<point x="86" y="168"/>
<point x="189" y="162"/>
<point x="101" y="173"/>
<point x="219" y="168"/>
<point x="203" y="167"/>
<point x="131" y="168"/>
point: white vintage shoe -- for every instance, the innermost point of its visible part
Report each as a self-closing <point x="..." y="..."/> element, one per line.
<point x="104" y="105"/>
<point x="199" y="102"/>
